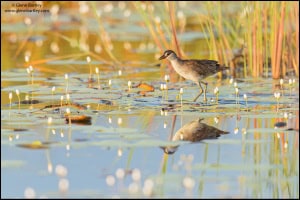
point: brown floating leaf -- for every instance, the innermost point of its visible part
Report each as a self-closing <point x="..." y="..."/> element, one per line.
<point x="30" y="101"/>
<point x="19" y="129"/>
<point x="79" y="119"/>
<point x="146" y="87"/>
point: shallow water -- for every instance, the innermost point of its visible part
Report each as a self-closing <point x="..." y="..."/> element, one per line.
<point x="118" y="153"/>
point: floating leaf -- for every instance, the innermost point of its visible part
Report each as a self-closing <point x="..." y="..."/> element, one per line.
<point x="79" y="119"/>
<point x="12" y="163"/>
<point x="146" y="87"/>
<point x="34" y="145"/>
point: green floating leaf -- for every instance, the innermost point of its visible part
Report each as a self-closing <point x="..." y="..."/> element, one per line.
<point x="134" y="136"/>
<point x="26" y="88"/>
<point x="112" y="143"/>
<point x="23" y="79"/>
<point x="121" y="130"/>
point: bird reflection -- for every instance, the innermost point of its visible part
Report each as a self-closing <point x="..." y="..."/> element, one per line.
<point x="194" y="131"/>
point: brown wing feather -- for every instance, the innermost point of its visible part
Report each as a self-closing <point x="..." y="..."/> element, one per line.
<point x="205" y="67"/>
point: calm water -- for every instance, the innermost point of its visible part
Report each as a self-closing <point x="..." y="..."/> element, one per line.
<point x="119" y="154"/>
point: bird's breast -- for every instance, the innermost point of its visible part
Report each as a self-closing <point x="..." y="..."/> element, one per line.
<point x="184" y="71"/>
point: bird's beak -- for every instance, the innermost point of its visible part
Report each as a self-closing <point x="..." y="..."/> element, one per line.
<point x="162" y="57"/>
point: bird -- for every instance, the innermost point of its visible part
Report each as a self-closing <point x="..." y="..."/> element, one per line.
<point x="194" y="131"/>
<point x="195" y="70"/>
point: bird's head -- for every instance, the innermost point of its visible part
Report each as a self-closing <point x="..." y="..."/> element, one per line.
<point x="169" y="54"/>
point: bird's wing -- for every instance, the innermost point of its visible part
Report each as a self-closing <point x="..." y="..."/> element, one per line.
<point x="205" y="67"/>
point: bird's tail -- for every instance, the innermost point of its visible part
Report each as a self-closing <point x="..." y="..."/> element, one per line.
<point x="224" y="67"/>
<point x="223" y="132"/>
<point x="220" y="132"/>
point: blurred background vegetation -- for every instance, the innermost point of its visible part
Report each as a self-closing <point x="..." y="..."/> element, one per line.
<point x="256" y="39"/>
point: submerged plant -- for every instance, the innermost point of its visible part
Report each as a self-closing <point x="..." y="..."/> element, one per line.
<point x="129" y="86"/>
<point x="277" y="96"/>
<point x="181" y="93"/>
<point x="30" y="73"/>
<point x="10" y="98"/>
<point x="61" y="102"/>
<point x="216" y="92"/>
<point x="18" y="95"/>
<point x="162" y="89"/>
<point x="69" y="116"/>
<point x="290" y="86"/>
<point x="120" y="72"/>
<point x="26" y="58"/>
<point x="98" y="79"/>
<point x="281" y="85"/>
<point x="52" y="92"/>
<point x="67" y="82"/>
<point x="68" y="99"/>
<point x="165" y="86"/>
<point x="88" y="59"/>
<point x="167" y="79"/>
<point x="237" y="95"/>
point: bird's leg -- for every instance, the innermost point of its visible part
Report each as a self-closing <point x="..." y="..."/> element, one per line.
<point x="205" y="99"/>
<point x="201" y="91"/>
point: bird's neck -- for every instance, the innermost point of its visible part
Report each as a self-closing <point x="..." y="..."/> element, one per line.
<point x="174" y="58"/>
<point x="176" y="61"/>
